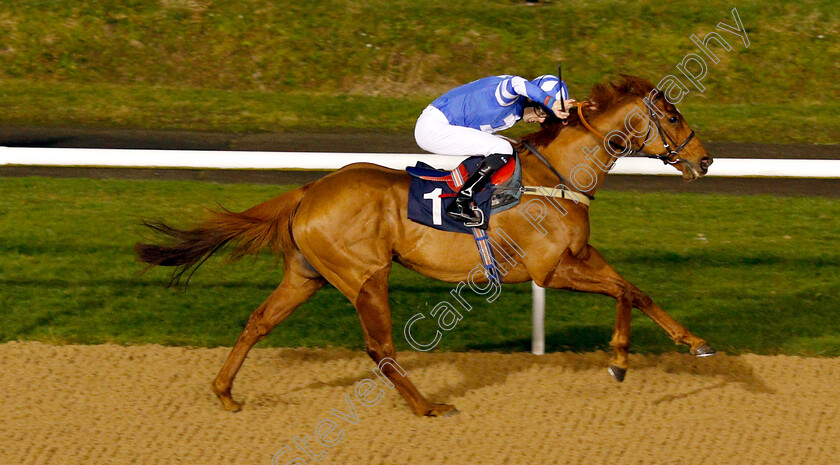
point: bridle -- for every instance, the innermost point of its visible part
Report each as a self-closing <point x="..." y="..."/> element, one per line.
<point x="669" y="157"/>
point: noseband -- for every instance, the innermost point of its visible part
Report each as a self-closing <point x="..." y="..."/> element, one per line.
<point x="669" y="157"/>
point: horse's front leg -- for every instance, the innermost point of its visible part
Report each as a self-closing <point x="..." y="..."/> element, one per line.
<point x="679" y="333"/>
<point x="589" y="272"/>
<point x="621" y="337"/>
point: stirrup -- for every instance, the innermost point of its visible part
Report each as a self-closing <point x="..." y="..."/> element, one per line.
<point x="460" y="209"/>
<point x="480" y="213"/>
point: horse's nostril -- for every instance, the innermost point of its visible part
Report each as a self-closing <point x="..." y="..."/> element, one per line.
<point x="706" y="162"/>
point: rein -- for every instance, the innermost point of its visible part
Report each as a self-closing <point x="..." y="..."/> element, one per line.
<point x="667" y="158"/>
<point x="544" y="160"/>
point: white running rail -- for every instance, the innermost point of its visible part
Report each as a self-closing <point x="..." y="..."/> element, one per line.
<point x="740" y="167"/>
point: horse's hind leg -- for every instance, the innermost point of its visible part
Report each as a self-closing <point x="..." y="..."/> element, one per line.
<point x="375" y="314"/>
<point x="293" y="291"/>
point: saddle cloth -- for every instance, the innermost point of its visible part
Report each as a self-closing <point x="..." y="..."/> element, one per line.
<point x="432" y="190"/>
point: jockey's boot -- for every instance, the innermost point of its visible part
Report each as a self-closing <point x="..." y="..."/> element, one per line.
<point x="462" y="208"/>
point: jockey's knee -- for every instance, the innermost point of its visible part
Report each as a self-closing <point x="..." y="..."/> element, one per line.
<point x="495" y="161"/>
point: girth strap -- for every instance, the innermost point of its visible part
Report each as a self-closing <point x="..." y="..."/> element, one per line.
<point x="556" y="193"/>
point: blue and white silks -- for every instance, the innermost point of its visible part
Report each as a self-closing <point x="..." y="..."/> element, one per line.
<point x="496" y="103"/>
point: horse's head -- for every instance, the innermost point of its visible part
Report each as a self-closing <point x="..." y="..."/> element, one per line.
<point x="669" y="138"/>
<point x="636" y="119"/>
<point x="653" y="126"/>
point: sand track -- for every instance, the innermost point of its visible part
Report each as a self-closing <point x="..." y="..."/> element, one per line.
<point x="151" y="405"/>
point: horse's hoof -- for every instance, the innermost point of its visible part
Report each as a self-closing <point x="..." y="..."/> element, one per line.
<point x="442" y="410"/>
<point x="452" y="413"/>
<point x="227" y="401"/>
<point x="703" y="350"/>
<point x="231" y="405"/>
<point x="617" y="372"/>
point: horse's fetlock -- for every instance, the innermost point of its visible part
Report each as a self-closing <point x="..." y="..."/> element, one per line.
<point x="219" y="389"/>
<point x="262" y="331"/>
<point x="375" y="353"/>
<point x="619" y="342"/>
<point x="643" y="301"/>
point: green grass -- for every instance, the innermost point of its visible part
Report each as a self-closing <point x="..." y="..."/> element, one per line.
<point x="254" y="65"/>
<point x="147" y="107"/>
<point x="751" y="274"/>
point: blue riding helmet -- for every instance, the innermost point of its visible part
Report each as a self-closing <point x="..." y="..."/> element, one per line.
<point x="552" y="85"/>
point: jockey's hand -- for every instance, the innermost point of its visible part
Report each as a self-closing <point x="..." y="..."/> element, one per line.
<point x="557" y="108"/>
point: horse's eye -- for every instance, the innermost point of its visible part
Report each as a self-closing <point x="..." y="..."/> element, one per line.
<point x="673" y="119"/>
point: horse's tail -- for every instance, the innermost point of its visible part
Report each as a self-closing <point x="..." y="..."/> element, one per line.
<point x="267" y="224"/>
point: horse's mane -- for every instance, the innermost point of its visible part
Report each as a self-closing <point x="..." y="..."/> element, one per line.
<point x="603" y="96"/>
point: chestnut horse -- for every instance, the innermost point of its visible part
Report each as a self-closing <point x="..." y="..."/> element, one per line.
<point x="348" y="227"/>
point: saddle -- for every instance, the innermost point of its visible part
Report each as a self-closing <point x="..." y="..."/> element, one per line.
<point x="432" y="190"/>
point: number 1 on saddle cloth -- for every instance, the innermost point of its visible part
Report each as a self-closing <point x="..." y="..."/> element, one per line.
<point x="432" y="191"/>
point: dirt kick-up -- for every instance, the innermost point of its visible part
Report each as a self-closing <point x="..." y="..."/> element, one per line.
<point x="347" y="228"/>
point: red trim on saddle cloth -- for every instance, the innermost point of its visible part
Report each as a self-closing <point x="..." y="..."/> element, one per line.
<point x="449" y="181"/>
<point x="448" y="177"/>
<point x="459" y="175"/>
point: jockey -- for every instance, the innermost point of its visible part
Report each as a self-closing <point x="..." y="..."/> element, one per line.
<point x="464" y="120"/>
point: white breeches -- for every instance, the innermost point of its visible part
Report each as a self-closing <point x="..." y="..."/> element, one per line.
<point x="433" y="133"/>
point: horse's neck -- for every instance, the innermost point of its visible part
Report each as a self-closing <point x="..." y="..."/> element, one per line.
<point x="577" y="154"/>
